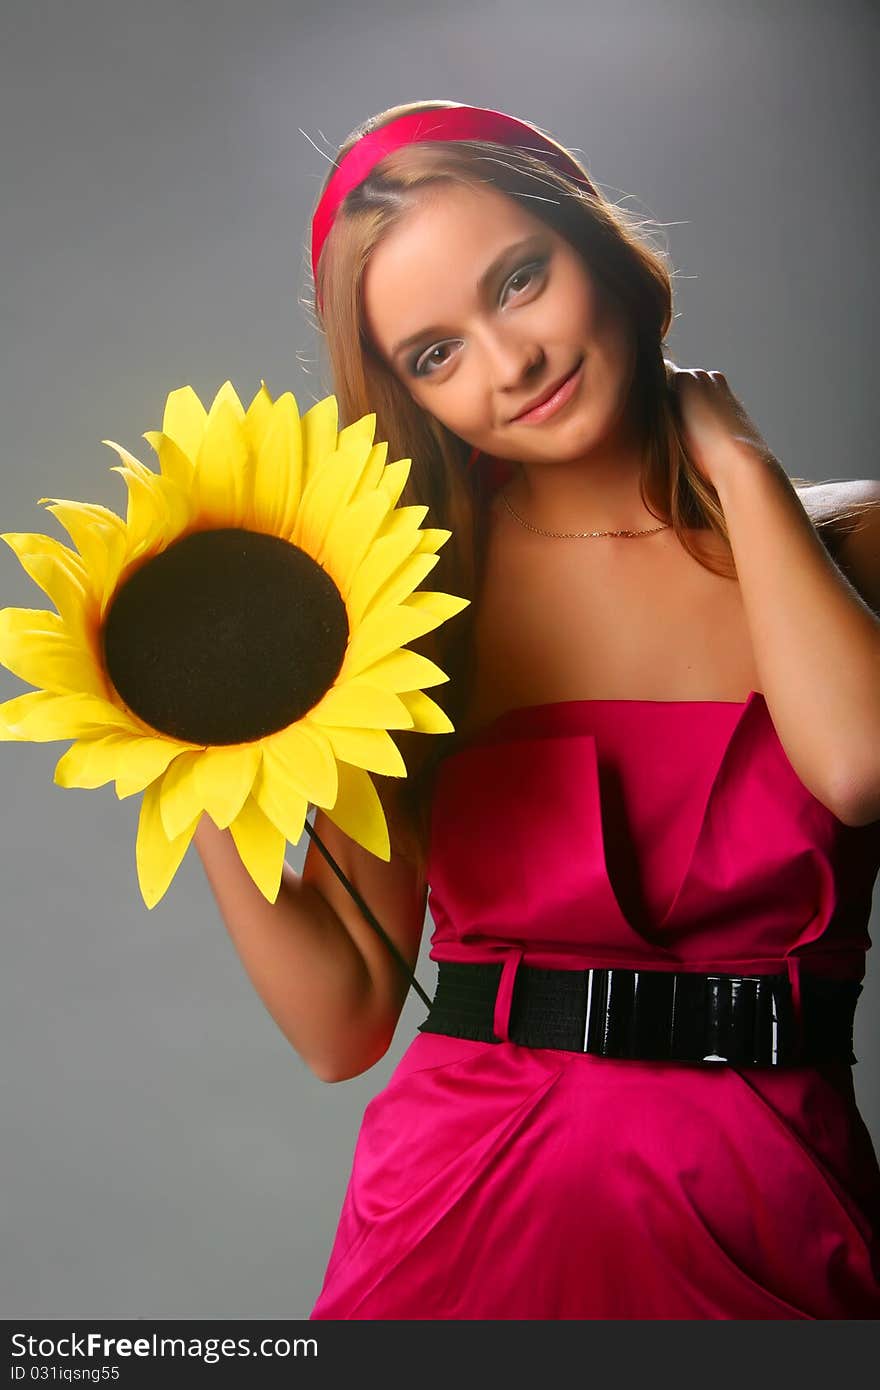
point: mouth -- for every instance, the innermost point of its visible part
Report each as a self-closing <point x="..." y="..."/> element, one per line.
<point x="552" y="399"/>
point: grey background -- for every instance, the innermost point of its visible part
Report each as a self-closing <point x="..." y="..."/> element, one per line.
<point x="165" y="1152"/>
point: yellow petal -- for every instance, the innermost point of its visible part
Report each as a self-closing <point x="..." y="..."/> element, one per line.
<point x="92" y="762"/>
<point x="382" y="632"/>
<point x="386" y="557"/>
<point x="405" y="521"/>
<point x="375" y="467"/>
<point x="432" y="538"/>
<point x="227" y="395"/>
<point x="302" y="756"/>
<point x="353" y="453"/>
<point x="59" y="572"/>
<point x="284" y="806"/>
<point x="133" y="465"/>
<point x="227" y="404"/>
<point x="394" y="590"/>
<point x="117" y="558"/>
<point x="158" y="859"/>
<point x="22" y="719"/>
<point x="184" y="420"/>
<point x="180" y="509"/>
<point x="319" y="426"/>
<point x="222" y="463"/>
<point x="145" y="760"/>
<point x="223" y="776"/>
<point x="27" y="543"/>
<point x="440" y="606"/>
<point x="358" y="811"/>
<point x="179" y="798"/>
<point x="88" y="535"/>
<point x="355" y="704"/>
<point x="28" y="622"/>
<point x="261" y="848"/>
<point x="352" y="535"/>
<point x="398" y="538"/>
<point x="101" y="538"/>
<point x="372" y="749"/>
<point x="41" y="716"/>
<point x="54" y="660"/>
<point x="360" y="434"/>
<point x="97" y="517"/>
<point x="402" y="583"/>
<point x="177" y="466"/>
<point x="404" y="670"/>
<point x="325" y="497"/>
<point x="428" y="717"/>
<point x="145" y="510"/>
<point x="277" y="481"/>
<point x="257" y="418"/>
<point x="70" y="595"/>
<point x="394" y="479"/>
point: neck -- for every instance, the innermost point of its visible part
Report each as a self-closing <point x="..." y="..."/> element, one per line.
<point x="598" y="491"/>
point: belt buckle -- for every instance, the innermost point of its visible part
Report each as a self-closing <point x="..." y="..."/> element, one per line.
<point x="598" y="1011"/>
<point x="733" y="1006"/>
<point x="586" y="1039"/>
<point x="629" y="1013"/>
<point x="610" y="1013"/>
<point x="724" y="997"/>
<point x="616" y="1002"/>
<point x="712" y="996"/>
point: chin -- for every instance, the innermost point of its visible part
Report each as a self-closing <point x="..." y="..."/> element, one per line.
<point x="575" y="442"/>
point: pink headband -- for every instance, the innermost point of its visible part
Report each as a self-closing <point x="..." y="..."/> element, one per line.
<point x="446" y="123"/>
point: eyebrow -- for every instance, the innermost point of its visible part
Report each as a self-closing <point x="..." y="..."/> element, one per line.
<point x="488" y="275"/>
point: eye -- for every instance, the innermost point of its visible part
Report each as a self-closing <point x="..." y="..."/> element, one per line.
<point x="529" y="273"/>
<point x="416" y="364"/>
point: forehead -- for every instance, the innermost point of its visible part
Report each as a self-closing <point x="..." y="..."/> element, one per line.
<point x="426" y="268"/>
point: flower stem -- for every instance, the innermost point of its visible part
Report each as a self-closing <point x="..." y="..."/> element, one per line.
<point x="367" y="913"/>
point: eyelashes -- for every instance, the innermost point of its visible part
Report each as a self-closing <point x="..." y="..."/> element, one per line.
<point x="415" y="367"/>
<point x="534" y="268"/>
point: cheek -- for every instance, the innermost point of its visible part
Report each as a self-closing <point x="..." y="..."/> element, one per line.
<point x="573" y="307"/>
<point x="611" y="327"/>
<point x="463" y="397"/>
<point x="455" y="405"/>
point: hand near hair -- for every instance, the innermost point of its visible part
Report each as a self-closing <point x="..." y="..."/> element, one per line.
<point x="716" y="430"/>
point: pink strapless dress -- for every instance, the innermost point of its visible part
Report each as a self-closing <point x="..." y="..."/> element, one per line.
<point x="496" y="1181"/>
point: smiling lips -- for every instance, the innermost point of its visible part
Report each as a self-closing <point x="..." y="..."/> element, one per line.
<point x="551" y="400"/>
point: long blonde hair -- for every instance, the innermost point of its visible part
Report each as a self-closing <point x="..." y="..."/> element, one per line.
<point x="614" y="245"/>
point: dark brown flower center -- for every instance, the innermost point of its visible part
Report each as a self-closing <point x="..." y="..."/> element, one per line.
<point x="225" y="637"/>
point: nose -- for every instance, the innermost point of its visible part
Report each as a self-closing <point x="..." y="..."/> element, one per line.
<point x="513" y="360"/>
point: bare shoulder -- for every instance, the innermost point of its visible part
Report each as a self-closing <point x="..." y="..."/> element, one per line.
<point x="857" y="547"/>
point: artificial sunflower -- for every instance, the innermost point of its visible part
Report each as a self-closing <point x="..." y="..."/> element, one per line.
<point x="235" y="646"/>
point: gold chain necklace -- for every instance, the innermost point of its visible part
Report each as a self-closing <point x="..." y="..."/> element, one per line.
<point x="572" y="535"/>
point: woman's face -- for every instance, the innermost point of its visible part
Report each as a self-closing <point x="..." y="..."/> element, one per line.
<point x="479" y="309"/>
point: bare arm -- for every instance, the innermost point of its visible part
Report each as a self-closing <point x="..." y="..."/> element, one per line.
<point x="816" y="639"/>
<point x="323" y="973"/>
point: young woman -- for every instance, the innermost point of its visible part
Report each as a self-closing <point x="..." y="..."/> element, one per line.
<point x="650" y="843"/>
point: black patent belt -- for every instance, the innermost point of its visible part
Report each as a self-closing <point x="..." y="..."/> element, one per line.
<point x="653" y="1015"/>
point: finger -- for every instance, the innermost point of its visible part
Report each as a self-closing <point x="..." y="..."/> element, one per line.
<point x="686" y="374"/>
